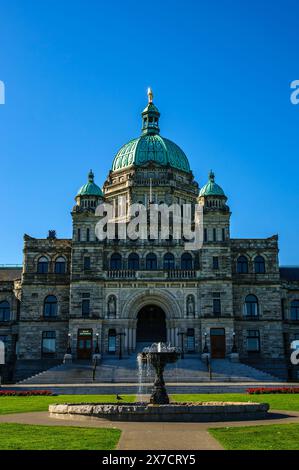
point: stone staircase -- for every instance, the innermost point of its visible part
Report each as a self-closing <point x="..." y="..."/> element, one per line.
<point x="125" y="371"/>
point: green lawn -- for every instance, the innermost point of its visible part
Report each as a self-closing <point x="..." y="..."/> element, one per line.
<point x="288" y="402"/>
<point x="29" y="437"/>
<point x="268" y="437"/>
<point x="26" y="404"/>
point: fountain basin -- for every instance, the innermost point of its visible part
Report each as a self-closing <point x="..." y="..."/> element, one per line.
<point x="160" y="358"/>
<point x="173" y="412"/>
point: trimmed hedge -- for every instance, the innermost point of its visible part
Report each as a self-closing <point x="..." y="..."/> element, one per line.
<point x="265" y="390"/>
<point x="25" y="393"/>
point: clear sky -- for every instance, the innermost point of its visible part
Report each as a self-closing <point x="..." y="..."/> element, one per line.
<point x="76" y="74"/>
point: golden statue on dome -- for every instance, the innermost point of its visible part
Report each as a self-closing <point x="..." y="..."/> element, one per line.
<point x="150" y="95"/>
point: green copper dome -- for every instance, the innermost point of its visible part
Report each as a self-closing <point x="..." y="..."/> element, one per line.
<point x="90" y="188"/>
<point x="211" y="188"/>
<point x="150" y="146"/>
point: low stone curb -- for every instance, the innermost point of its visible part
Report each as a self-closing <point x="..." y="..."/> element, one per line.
<point x="184" y="412"/>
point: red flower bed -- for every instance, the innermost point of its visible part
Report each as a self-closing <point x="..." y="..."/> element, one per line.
<point x="262" y="390"/>
<point x="25" y="393"/>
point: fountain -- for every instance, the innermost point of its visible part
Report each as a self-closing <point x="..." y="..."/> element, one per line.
<point x="159" y="409"/>
<point x="158" y="355"/>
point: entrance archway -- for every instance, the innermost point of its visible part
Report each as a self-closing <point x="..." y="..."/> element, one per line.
<point x="151" y="325"/>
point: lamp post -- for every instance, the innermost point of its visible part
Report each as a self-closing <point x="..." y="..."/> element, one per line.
<point x="182" y="334"/>
<point x="97" y="349"/>
<point x="69" y="348"/>
<point x="234" y="348"/>
<point x="120" y="344"/>
<point x="205" y="348"/>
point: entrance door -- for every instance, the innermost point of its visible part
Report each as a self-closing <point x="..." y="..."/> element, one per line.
<point x="84" y="345"/>
<point x="217" y="343"/>
<point x="151" y="325"/>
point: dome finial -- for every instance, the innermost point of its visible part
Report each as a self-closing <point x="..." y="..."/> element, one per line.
<point x="90" y="176"/>
<point x="150" y="95"/>
<point x="150" y="116"/>
<point x="212" y="176"/>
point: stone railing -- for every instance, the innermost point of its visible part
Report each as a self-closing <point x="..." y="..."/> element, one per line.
<point x="146" y="274"/>
<point x="121" y="274"/>
<point x="181" y="274"/>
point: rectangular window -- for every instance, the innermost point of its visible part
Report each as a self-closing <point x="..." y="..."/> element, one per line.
<point x="223" y="234"/>
<point x="214" y="235"/>
<point x="253" y="341"/>
<point x="295" y="310"/>
<point x="112" y="341"/>
<point x="205" y="234"/>
<point x="216" y="303"/>
<point x="85" y="305"/>
<point x="79" y="234"/>
<point x="215" y="262"/>
<point x="190" y="340"/>
<point x="48" y="343"/>
<point x="87" y="235"/>
<point x="86" y="263"/>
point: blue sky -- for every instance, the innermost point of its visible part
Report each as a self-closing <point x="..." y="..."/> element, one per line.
<point x="76" y="74"/>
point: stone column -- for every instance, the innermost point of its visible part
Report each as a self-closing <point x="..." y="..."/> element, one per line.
<point x="126" y="339"/>
<point x="168" y="335"/>
<point x="134" y="339"/>
<point x="172" y="337"/>
<point x="176" y="338"/>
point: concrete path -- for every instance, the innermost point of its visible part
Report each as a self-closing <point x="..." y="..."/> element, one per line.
<point x="153" y="436"/>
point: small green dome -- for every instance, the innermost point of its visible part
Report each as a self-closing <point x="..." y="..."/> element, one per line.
<point x="211" y="188"/>
<point x="90" y="188"/>
<point x="150" y="146"/>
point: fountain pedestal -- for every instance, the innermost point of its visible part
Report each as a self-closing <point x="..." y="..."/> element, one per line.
<point x="158" y="356"/>
<point x="159" y="394"/>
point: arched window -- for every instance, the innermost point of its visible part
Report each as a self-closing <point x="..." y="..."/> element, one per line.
<point x="4" y="311"/>
<point x="50" y="306"/>
<point x="151" y="261"/>
<point x="43" y="265"/>
<point x="112" y="341"/>
<point x="242" y="265"/>
<point x="251" y="306"/>
<point x="295" y="310"/>
<point x="115" y="261"/>
<point x="168" y="261"/>
<point x="186" y="261"/>
<point x="133" y="261"/>
<point x="259" y="265"/>
<point x="60" y="265"/>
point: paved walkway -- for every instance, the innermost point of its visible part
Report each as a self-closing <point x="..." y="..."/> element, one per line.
<point x="153" y="436"/>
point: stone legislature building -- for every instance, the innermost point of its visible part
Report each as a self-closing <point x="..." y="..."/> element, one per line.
<point x="85" y="296"/>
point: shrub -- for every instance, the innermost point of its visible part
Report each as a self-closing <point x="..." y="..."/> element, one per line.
<point x="264" y="390"/>
<point x="25" y="393"/>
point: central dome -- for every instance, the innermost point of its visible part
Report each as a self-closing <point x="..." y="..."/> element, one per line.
<point x="150" y="146"/>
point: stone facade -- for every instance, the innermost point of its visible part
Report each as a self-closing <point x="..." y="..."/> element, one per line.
<point x="204" y="300"/>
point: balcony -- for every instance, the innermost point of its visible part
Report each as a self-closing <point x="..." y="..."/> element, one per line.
<point x="181" y="274"/>
<point x="121" y="274"/>
<point x="178" y="274"/>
